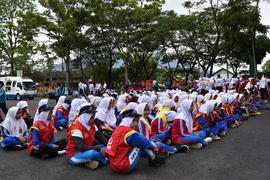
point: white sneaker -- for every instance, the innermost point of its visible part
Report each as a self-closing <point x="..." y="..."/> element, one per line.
<point x="92" y="164"/>
<point x="61" y="152"/>
<point x="215" y="137"/>
<point x="196" y="146"/>
<point x="208" y="139"/>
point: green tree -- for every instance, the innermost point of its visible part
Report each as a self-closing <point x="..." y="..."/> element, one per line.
<point x="266" y="66"/>
<point x="17" y="44"/>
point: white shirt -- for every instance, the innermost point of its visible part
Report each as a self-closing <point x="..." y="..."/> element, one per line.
<point x="264" y="82"/>
<point x="219" y="82"/>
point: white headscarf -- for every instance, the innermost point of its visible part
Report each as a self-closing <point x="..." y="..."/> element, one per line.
<point x="104" y="114"/>
<point x="61" y="100"/>
<point x="170" y="115"/>
<point x="121" y="102"/>
<point x="95" y="101"/>
<point x="132" y="105"/>
<point x="231" y="99"/>
<point x="140" y="108"/>
<point x="224" y="99"/>
<point x="126" y="121"/>
<point x="84" y="119"/>
<point x="208" y="107"/>
<point x="41" y="102"/>
<point x="168" y="103"/>
<point x="200" y="98"/>
<point x="43" y="116"/>
<point x="15" y="127"/>
<point x="22" y="104"/>
<point x="186" y="115"/>
<point x="73" y="110"/>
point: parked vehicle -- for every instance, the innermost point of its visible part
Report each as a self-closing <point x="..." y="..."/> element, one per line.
<point x="19" y="87"/>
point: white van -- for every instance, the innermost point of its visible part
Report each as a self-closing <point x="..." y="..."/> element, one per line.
<point x="19" y="87"/>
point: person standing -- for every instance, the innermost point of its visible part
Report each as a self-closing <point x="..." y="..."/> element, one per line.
<point x="65" y="91"/>
<point x="3" y="98"/>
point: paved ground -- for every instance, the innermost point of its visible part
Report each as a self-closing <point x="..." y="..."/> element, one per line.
<point x="243" y="154"/>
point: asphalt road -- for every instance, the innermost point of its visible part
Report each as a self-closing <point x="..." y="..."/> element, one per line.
<point x="243" y="154"/>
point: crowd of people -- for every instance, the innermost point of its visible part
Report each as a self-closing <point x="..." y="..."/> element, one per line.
<point x="118" y="129"/>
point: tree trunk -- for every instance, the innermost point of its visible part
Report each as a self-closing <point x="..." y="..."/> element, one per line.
<point x="82" y="72"/>
<point x="110" y="71"/>
<point x="254" y="58"/>
<point x="12" y="69"/>
<point x="126" y="74"/>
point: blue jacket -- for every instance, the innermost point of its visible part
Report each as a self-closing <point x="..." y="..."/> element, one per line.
<point x="2" y="96"/>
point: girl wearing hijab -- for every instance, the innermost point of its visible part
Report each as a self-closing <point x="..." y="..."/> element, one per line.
<point x="126" y="145"/>
<point x="105" y="111"/>
<point x="145" y="129"/>
<point x="227" y="111"/>
<point x="80" y="140"/>
<point x="182" y="129"/>
<point x="25" y="113"/>
<point x="203" y="120"/>
<point x="131" y="105"/>
<point x="160" y="126"/>
<point x="220" y="125"/>
<point x="122" y="102"/>
<point x="74" y="109"/>
<point x="62" y="114"/>
<point x="41" y="102"/>
<point x="14" y="130"/>
<point x="41" y="139"/>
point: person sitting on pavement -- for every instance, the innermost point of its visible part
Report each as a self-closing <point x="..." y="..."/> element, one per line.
<point x="62" y="114"/>
<point x="182" y="129"/>
<point x="14" y="130"/>
<point x="80" y="141"/>
<point x="41" y="138"/>
<point x="25" y="113"/>
<point x="126" y="145"/>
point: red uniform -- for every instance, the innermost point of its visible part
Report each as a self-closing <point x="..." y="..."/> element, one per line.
<point x="178" y="129"/>
<point x="88" y="137"/>
<point x="45" y="133"/>
<point x="118" y="149"/>
<point x="158" y="126"/>
<point x="64" y="113"/>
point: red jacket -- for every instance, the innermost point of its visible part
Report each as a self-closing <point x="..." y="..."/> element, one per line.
<point x="45" y="133"/>
<point x="88" y="137"/>
<point x="158" y="126"/>
<point x="118" y="149"/>
<point x="179" y="129"/>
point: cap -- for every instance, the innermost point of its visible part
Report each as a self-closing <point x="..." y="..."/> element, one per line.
<point x="86" y="109"/>
<point x="44" y="108"/>
<point x="130" y="113"/>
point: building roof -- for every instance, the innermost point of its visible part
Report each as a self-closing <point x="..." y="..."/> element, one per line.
<point x="221" y="70"/>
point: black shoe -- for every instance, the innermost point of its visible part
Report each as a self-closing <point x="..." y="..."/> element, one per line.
<point x="157" y="162"/>
<point x="182" y="149"/>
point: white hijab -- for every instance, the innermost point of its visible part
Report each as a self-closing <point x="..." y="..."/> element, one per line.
<point x="84" y="119"/>
<point x="22" y="104"/>
<point x="126" y="121"/>
<point x="41" y="102"/>
<point x="74" y="108"/>
<point x="43" y="116"/>
<point x="208" y="107"/>
<point x="104" y="114"/>
<point x="15" y="127"/>
<point x="121" y="102"/>
<point x="186" y="115"/>
<point x="61" y="100"/>
<point x="132" y="105"/>
<point x="95" y="101"/>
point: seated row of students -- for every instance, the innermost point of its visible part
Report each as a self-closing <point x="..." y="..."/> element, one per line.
<point x="93" y="138"/>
